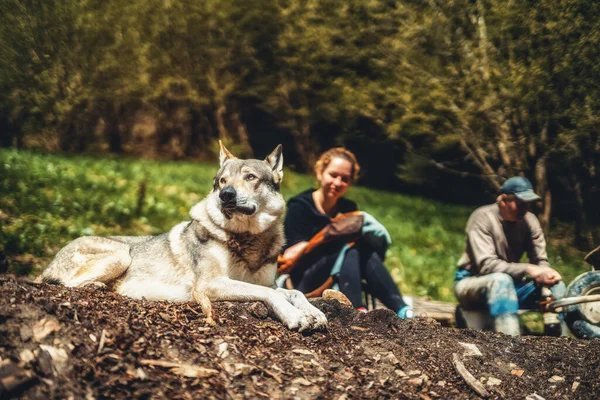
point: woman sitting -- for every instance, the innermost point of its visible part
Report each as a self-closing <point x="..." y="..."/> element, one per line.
<point x="311" y="211"/>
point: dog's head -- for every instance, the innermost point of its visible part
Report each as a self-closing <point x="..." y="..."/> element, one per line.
<point x="245" y="195"/>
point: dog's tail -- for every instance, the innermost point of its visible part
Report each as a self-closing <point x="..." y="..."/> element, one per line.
<point x="47" y="279"/>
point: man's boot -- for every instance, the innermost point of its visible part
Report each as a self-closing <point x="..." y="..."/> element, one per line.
<point x="507" y="323"/>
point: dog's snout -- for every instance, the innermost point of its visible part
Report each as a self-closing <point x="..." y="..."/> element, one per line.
<point x="228" y="194"/>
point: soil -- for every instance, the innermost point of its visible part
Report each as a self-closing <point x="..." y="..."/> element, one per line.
<point x="89" y="343"/>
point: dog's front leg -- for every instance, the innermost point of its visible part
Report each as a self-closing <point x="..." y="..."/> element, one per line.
<point x="205" y="305"/>
<point x="224" y="288"/>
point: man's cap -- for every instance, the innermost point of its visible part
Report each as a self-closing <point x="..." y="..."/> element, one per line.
<point x="520" y="187"/>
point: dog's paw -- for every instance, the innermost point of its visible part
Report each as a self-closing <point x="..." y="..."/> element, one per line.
<point x="293" y="318"/>
<point x="304" y="319"/>
<point x="315" y="317"/>
<point x="320" y="318"/>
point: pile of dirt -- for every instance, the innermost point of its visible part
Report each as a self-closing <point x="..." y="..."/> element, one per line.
<point x="90" y="343"/>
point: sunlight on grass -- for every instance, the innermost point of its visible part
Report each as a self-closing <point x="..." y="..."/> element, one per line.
<point x="48" y="200"/>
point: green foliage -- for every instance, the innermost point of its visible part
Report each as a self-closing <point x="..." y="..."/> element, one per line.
<point x="484" y="88"/>
<point x="50" y="200"/>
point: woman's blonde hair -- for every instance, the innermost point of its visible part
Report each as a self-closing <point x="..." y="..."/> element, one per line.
<point x="337" y="152"/>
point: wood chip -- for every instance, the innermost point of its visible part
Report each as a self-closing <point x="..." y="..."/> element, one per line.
<point x="534" y="396"/>
<point x="141" y="374"/>
<point x="493" y="381"/>
<point x="237" y="369"/>
<point x="302" y="381"/>
<point x="359" y="328"/>
<point x="187" y="370"/>
<point x="471" y="350"/>
<point x="102" y="339"/>
<point x="166" y="317"/>
<point x="273" y="375"/>
<point x="400" y="374"/>
<point x="415" y="381"/>
<point x="391" y="359"/>
<point x="517" y="372"/>
<point x="468" y="377"/>
<point x="556" y="379"/>
<point x="26" y="356"/>
<point x="45" y="327"/>
<point x="192" y="371"/>
<point x="222" y="350"/>
<point x="302" y="351"/>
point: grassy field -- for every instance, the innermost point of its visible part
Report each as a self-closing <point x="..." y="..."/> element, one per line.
<point x="47" y="200"/>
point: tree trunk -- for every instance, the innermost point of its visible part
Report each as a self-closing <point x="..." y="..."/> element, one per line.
<point x="544" y="192"/>
<point x="6" y="133"/>
<point x="115" y="143"/>
<point x="483" y="41"/>
<point x="505" y="148"/>
<point x="583" y="235"/>
<point x="306" y="146"/>
<point x="242" y="134"/>
<point x="541" y="178"/>
<point x="219" y="120"/>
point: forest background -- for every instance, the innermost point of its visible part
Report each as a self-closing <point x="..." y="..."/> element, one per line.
<point x="444" y="99"/>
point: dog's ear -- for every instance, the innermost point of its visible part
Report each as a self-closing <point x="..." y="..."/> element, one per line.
<point x="275" y="161"/>
<point x="224" y="154"/>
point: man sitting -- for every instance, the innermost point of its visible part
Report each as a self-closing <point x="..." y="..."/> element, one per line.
<point x="490" y="275"/>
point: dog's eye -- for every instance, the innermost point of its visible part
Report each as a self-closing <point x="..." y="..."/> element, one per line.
<point x="250" y="177"/>
<point x="222" y="181"/>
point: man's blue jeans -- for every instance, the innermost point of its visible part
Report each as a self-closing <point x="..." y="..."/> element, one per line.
<point x="498" y="293"/>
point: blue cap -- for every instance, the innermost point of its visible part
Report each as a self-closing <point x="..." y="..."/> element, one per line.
<point x="520" y="187"/>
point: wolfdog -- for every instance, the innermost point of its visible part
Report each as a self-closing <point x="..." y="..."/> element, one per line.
<point x="228" y="250"/>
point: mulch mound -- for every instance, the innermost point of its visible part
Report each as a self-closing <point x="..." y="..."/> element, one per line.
<point x="90" y="343"/>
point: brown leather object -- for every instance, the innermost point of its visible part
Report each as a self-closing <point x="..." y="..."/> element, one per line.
<point x="344" y="228"/>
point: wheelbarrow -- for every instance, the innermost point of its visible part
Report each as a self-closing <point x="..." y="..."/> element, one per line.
<point x="581" y="303"/>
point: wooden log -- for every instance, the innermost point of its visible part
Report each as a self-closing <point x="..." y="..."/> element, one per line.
<point x="468" y="377"/>
<point x="441" y="311"/>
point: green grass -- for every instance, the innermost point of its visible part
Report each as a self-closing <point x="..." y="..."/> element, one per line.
<point x="47" y="200"/>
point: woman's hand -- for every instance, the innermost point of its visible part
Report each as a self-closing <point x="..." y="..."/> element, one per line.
<point x="294" y="251"/>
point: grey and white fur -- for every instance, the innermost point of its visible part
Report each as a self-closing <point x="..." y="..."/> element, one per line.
<point x="228" y="251"/>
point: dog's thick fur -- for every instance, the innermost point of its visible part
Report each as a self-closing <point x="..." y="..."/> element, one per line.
<point x="228" y="251"/>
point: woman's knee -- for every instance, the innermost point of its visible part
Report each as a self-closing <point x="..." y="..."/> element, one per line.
<point x="369" y="258"/>
<point x="352" y="256"/>
<point x="351" y="262"/>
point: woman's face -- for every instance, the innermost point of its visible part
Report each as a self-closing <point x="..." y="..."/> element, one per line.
<point x="336" y="178"/>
